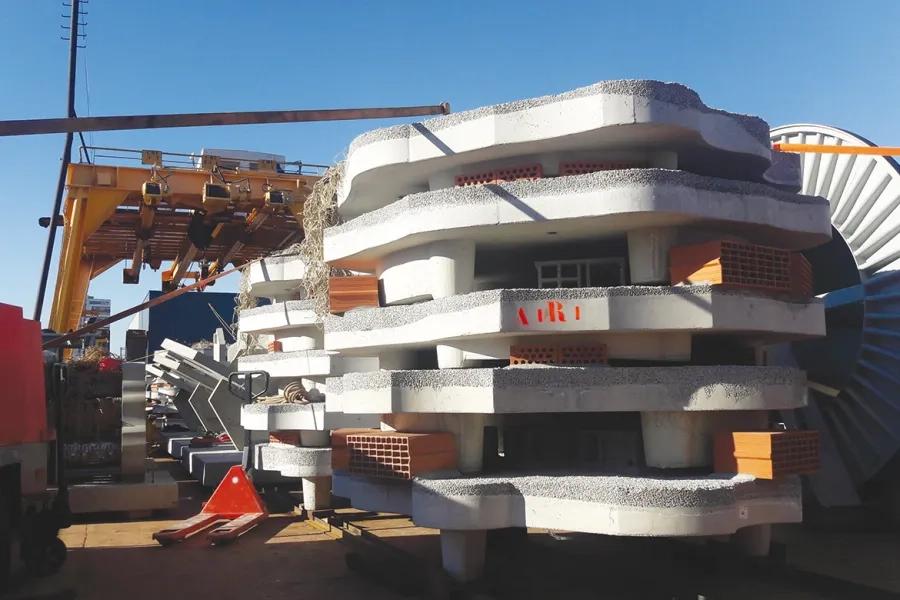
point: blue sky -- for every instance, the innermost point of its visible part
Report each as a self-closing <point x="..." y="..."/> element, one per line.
<point x="821" y="61"/>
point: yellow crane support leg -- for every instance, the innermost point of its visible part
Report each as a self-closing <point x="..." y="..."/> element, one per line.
<point x="70" y="267"/>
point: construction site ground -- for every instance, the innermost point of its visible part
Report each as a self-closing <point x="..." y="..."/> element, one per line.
<point x="287" y="557"/>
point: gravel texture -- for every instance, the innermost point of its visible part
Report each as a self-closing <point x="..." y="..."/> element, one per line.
<point x="670" y="93"/>
<point x="293" y="461"/>
<point x="682" y="382"/>
<point x="258" y="409"/>
<point x="371" y="318"/>
<point x="279" y="257"/>
<point x="278" y="307"/>
<point x="272" y="356"/>
<point x="786" y="169"/>
<point x="575" y="184"/>
<point x="642" y="491"/>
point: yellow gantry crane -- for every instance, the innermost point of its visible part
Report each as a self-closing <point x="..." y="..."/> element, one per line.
<point x="168" y="210"/>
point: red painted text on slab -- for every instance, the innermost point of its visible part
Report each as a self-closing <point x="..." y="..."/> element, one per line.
<point x="555" y="312"/>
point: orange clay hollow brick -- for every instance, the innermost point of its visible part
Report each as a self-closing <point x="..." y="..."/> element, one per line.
<point x="275" y="346"/>
<point x="581" y="167"/>
<point x="801" y="276"/>
<point x="352" y="291"/>
<point x="340" y="454"/>
<point x="534" y="354"/>
<point x="285" y="437"/>
<point x="558" y="354"/>
<point x="394" y="455"/>
<point x="767" y="454"/>
<point x="733" y="265"/>
<point x="505" y="175"/>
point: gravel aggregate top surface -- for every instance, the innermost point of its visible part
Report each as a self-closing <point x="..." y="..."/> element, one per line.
<point x="638" y="491"/>
<point x="575" y="184"/>
<point x="739" y="381"/>
<point x="371" y="318"/>
<point x="277" y="307"/>
<point x="282" y="256"/>
<point x="275" y="453"/>
<point x="671" y="93"/>
<point x="272" y="356"/>
<point x="264" y="409"/>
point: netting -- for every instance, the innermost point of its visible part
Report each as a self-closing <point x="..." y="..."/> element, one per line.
<point x="319" y="213"/>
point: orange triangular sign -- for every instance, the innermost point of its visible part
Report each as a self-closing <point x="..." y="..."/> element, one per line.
<point x="235" y="496"/>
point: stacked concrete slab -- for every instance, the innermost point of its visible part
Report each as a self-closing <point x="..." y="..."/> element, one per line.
<point x="528" y="308"/>
<point x="294" y="437"/>
<point x="204" y="404"/>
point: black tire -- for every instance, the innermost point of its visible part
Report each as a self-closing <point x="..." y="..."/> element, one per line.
<point x="53" y="557"/>
<point x="6" y="545"/>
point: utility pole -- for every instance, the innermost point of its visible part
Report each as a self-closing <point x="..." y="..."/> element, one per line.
<point x="74" y="36"/>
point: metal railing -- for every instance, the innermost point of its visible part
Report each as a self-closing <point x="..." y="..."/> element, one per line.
<point x="179" y="160"/>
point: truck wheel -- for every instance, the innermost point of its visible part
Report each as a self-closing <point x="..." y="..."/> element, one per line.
<point x="5" y="545"/>
<point x="49" y="559"/>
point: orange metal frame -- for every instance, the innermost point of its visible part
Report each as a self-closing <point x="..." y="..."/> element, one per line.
<point x="832" y="149"/>
<point x="103" y="216"/>
<point x="235" y="500"/>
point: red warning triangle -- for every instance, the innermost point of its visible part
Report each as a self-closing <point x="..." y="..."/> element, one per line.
<point x="235" y="496"/>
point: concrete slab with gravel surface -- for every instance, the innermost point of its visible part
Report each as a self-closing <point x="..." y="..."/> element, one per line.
<point x="581" y="207"/>
<point x="623" y="309"/>
<point x="541" y="389"/>
<point x="602" y="504"/>
<point x="293" y="461"/>
<point x="385" y="164"/>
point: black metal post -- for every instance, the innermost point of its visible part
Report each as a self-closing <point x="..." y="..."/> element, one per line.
<point x="64" y="165"/>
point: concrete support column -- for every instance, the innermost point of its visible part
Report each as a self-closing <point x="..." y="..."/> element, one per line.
<point x="452" y="271"/>
<point x="678" y="440"/>
<point x="754" y="540"/>
<point x="648" y="255"/>
<point x="292" y="342"/>
<point x="463" y="553"/>
<point x="316" y="493"/>
<point x="468" y="430"/>
<point x="316" y="490"/>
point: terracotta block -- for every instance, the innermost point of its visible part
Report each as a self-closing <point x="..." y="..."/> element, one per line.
<point x="568" y="168"/>
<point x="536" y="354"/>
<point x="582" y="354"/>
<point x="505" y="175"/>
<point x="732" y="264"/>
<point x="557" y="354"/>
<point x="767" y="454"/>
<point x="352" y="291"/>
<point x="274" y="346"/>
<point x="470" y="179"/>
<point x="396" y="455"/>
<point x="285" y="437"/>
<point x="535" y="171"/>
<point x="801" y="276"/>
<point x="340" y="458"/>
<point x="339" y="436"/>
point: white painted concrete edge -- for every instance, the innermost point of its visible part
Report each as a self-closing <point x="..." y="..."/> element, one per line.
<point x="652" y="312"/>
<point x="498" y="511"/>
<point x="570" y="211"/>
<point x="294" y="461"/>
<point x="300" y="417"/>
<point x="560" y="389"/>
<point x="532" y="130"/>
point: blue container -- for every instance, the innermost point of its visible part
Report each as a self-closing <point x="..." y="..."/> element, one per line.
<point x="187" y="319"/>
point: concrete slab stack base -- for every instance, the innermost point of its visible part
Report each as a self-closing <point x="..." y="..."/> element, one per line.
<point x="680" y="440"/>
<point x="642" y="161"/>
<point x="463" y="553"/>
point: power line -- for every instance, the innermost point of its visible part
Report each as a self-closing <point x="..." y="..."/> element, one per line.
<point x="75" y="21"/>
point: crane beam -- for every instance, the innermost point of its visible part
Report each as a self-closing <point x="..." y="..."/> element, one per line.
<point x="130" y="122"/>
